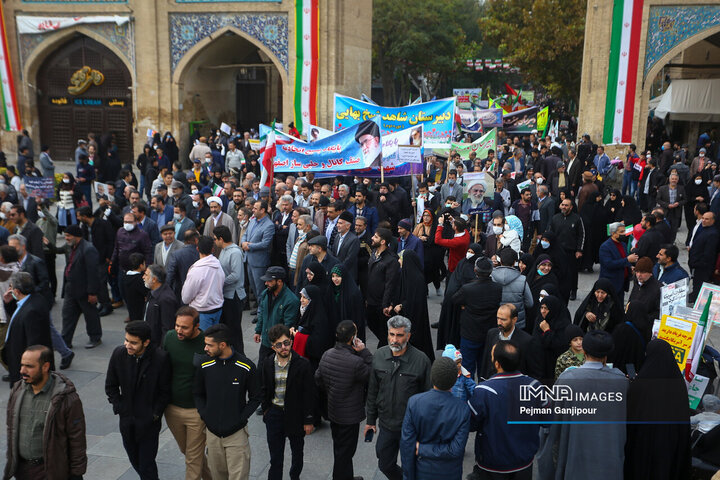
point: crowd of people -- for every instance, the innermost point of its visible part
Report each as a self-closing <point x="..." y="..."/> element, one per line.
<point x="187" y="245"/>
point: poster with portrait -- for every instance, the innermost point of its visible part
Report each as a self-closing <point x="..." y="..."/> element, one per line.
<point x="476" y="186"/>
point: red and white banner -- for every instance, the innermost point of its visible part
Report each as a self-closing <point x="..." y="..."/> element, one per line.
<point x="11" y="113"/>
<point x="33" y="24"/>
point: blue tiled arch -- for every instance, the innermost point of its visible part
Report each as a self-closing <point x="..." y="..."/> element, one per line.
<point x="269" y="29"/>
<point x="670" y="25"/>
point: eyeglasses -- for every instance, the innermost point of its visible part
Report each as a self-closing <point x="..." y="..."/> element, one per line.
<point x="279" y="345"/>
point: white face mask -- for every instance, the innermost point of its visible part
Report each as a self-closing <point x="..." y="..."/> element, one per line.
<point x="66" y="180"/>
<point x="108" y="211"/>
<point x="128" y="226"/>
<point x="702" y="154"/>
<point x="176" y="216"/>
<point x="194" y="192"/>
<point x="3" y="216"/>
<point x="195" y="204"/>
<point x="698" y="181"/>
<point x="41" y="214"/>
<point x="539" y="181"/>
<point x="469" y="255"/>
<point x="497" y="230"/>
<point x="648" y="157"/>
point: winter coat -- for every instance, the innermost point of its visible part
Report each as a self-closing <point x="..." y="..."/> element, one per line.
<point x="515" y="290"/>
<point x="203" y="288"/>
<point x="343" y="373"/>
<point x="63" y="436"/>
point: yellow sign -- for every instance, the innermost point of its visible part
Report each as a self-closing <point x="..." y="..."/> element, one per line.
<point x="542" y="119"/>
<point x="679" y="333"/>
<point x="83" y="78"/>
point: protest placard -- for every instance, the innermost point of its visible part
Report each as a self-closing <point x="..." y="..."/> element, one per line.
<point x="673" y="295"/>
<point x="696" y="388"/>
<point x="714" y="306"/>
<point x="679" y="333"/>
<point x="101" y="189"/>
<point x="40" y="187"/>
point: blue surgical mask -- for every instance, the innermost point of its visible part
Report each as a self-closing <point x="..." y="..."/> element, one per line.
<point x="544" y="244"/>
<point x="540" y="272"/>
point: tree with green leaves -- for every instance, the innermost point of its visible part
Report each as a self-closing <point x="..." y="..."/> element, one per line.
<point x="544" y="38"/>
<point x="421" y="42"/>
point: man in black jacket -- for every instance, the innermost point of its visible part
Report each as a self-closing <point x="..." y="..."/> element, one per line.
<point x="27" y="229"/>
<point x="347" y="245"/>
<point x="102" y="235"/>
<point x="479" y="300"/>
<point x="161" y="304"/>
<point x="703" y="253"/>
<point x="570" y="232"/>
<point x="180" y="261"/>
<point x="343" y="374"/>
<point x="399" y="371"/>
<point x="646" y="288"/>
<point x="80" y="288"/>
<point x="383" y="276"/>
<point x="227" y="392"/>
<point x="28" y="322"/>
<point x="138" y="387"/>
<point x="288" y="400"/>
<point x="649" y="243"/>
<point x="507" y="316"/>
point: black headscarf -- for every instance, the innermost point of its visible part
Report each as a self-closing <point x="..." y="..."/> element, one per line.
<point x="631" y="214"/>
<point x="658" y="395"/>
<point x="560" y="263"/>
<point x="314" y="322"/>
<point x="321" y="280"/>
<point x="538" y="283"/>
<point x="613" y="208"/>
<point x="413" y="298"/>
<point x="347" y="301"/>
<point x="611" y="307"/>
<point x="553" y="343"/>
<point x="631" y="337"/>
<point x="170" y="147"/>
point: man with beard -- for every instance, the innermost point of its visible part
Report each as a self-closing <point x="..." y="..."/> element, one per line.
<point x="507" y="317"/>
<point x="383" y="279"/>
<point x="364" y="237"/>
<point x="399" y="371"/>
<point x="368" y="136"/>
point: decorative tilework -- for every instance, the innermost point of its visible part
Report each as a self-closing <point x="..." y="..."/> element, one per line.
<point x="122" y="36"/>
<point x="668" y="26"/>
<point x="269" y="29"/>
<point x="74" y="1"/>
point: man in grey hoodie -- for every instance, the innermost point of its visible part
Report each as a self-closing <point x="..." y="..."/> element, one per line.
<point x="231" y="260"/>
<point x="515" y="288"/>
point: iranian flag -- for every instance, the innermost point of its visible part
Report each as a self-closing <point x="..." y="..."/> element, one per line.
<point x="11" y="114"/>
<point x="268" y="154"/>
<point x="622" y="71"/>
<point x="306" y="63"/>
<point x="698" y="344"/>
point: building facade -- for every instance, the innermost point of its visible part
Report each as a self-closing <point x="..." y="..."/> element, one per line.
<point x="677" y="39"/>
<point x="129" y="66"/>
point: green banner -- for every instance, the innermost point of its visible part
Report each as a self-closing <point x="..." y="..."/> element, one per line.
<point x="480" y="146"/>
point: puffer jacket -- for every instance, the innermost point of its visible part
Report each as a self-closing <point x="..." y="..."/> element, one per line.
<point x="515" y="290"/>
<point x="343" y="373"/>
<point x="64" y="435"/>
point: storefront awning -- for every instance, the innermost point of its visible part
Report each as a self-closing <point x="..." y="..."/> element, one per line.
<point x="690" y="101"/>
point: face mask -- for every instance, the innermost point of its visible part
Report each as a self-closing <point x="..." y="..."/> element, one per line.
<point x="356" y="181"/>
<point x="208" y="161"/>
<point x="66" y="180"/>
<point x="176" y="216"/>
<point x="540" y="272"/>
<point x="108" y="211"/>
<point x="648" y="157"/>
<point x="497" y="230"/>
<point x="544" y="244"/>
<point x="195" y="204"/>
<point x="14" y="296"/>
<point x="662" y="148"/>
<point x="451" y="182"/>
<point x="3" y="216"/>
<point x="469" y="255"/>
<point x="702" y="154"/>
<point x="448" y="205"/>
<point x="41" y="214"/>
<point x="128" y="226"/>
<point x="194" y="192"/>
<point x="539" y="181"/>
<point x="698" y="181"/>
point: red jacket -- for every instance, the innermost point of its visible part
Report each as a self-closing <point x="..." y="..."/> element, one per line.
<point x="457" y="246"/>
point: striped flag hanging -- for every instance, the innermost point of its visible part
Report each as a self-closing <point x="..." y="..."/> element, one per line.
<point x="622" y="71"/>
<point x="11" y="114"/>
<point x="306" y="63"/>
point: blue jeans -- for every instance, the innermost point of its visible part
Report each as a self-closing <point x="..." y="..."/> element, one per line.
<point x="207" y="320"/>
<point x="58" y="343"/>
<point x="626" y="181"/>
<point x="471" y="355"/>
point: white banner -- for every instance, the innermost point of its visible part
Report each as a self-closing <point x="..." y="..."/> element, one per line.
<point x="28" y="24"/>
